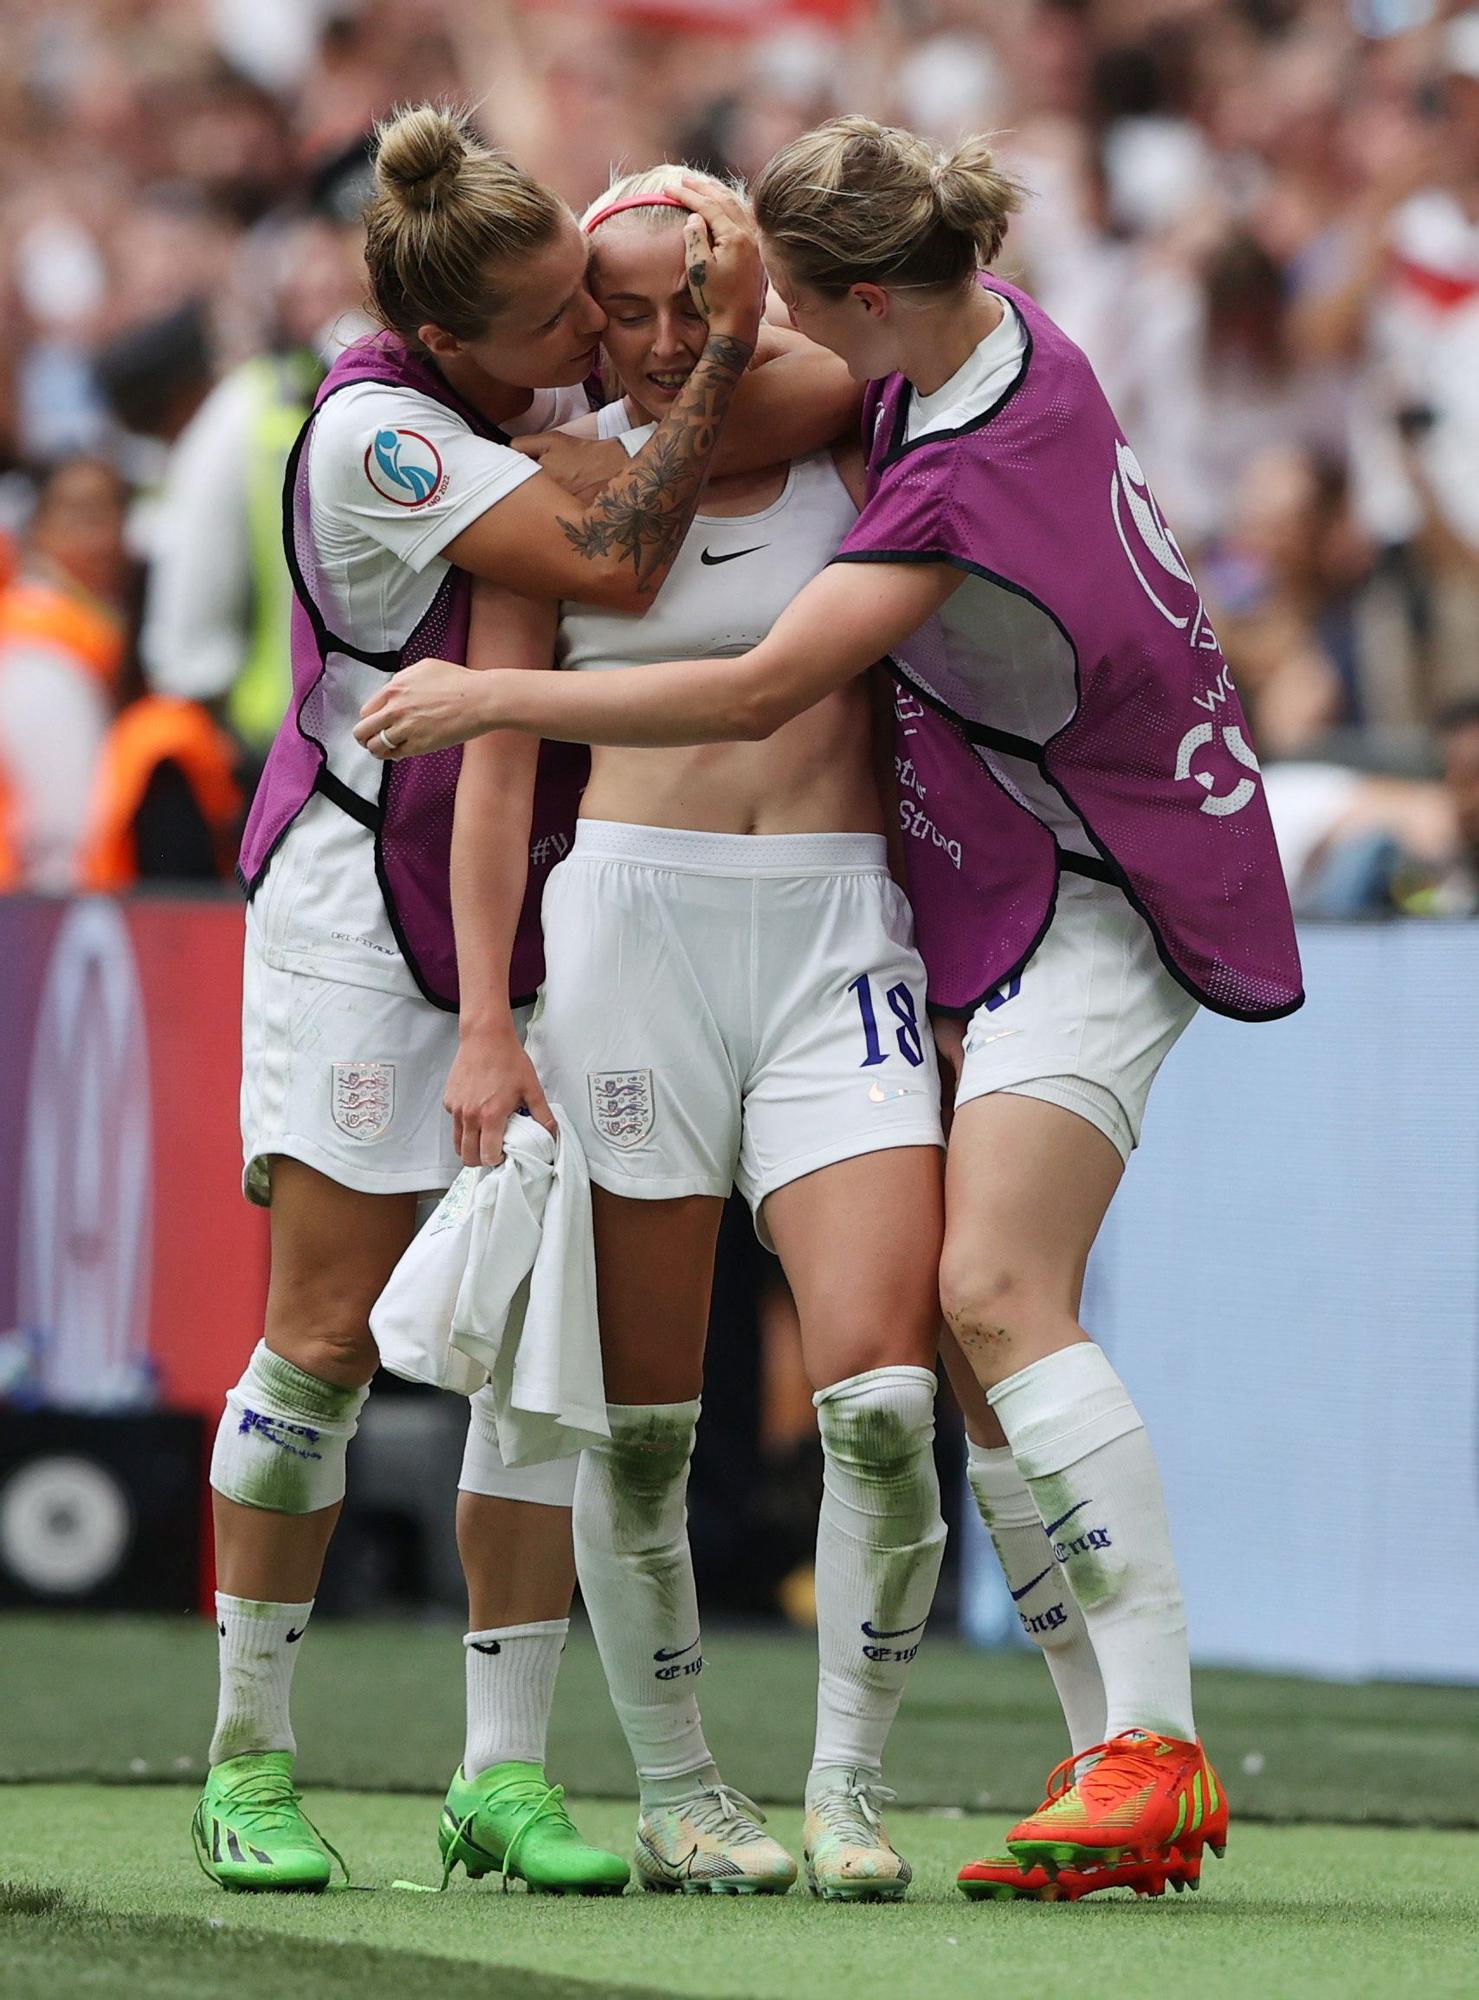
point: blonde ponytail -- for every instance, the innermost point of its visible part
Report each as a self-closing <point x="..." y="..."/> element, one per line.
<point x="973" y="197"/>
<point x="855" y="202"/>
<point x="447" y="212"/>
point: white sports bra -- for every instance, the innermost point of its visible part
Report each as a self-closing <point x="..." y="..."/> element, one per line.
<point x="732" y="578"/>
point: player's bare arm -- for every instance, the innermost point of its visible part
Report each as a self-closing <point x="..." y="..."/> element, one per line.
<point x="792" y="389"/>
<point x="844" y="620"/>
<point x="491" y="1077"/>
<point x="618" y="548"/>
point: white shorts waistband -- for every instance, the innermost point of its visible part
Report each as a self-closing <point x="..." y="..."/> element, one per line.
<point x="731" y="853"/>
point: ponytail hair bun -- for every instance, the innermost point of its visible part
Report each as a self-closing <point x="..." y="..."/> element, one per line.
<point x="973" y="197"/>
<point x="856" y="202"/>
<point x="448" y="217"/>
<point x="419" y="156"/>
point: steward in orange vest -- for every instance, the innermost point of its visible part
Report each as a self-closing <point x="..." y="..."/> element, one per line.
<point x="167" y="804"/>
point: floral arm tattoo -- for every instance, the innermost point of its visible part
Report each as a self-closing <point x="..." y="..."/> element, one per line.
<point x="642" y="517"/>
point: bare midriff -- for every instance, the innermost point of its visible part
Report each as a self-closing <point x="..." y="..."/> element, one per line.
<point x="814" y="775"/>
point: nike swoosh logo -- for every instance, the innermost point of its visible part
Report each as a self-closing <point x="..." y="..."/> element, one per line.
<point x="1053" y="1526"/>
<point x="674" y="1652"/>
<point x="1018" y="1595"/>
<point x="488" y="1646"/>
<point x="294" y="1637"/>
<point x="903" y="1631"/>
<point x="712" y="561"/>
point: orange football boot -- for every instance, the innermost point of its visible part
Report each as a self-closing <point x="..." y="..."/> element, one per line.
<point x="1000" y="1879"/>
<point x="1145" y="1797"/>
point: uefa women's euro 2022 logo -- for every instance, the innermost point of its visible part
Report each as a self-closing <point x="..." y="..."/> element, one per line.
<point x="404" y="467"/>
<point x="1138" y="521"/>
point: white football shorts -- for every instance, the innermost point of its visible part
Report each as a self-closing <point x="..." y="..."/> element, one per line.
<point x="1088" y="1021"/>
<point x="731" y="1009"/>
<point x="349" y="1079"/>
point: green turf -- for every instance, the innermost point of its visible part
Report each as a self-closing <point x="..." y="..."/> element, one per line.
<point x="121" y="1698"/>
<point x="1317" y="1913"/>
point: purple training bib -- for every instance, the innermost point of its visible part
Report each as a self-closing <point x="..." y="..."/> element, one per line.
<point x="411" y="816"/>
<point x="1071" y="707"/>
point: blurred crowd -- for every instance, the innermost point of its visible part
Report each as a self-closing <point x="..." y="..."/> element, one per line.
<point x="1259" y="217"/>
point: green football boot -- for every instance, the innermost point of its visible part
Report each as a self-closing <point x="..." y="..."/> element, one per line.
<point x="511" y="1821"/>
<point x="251" y="1832"/>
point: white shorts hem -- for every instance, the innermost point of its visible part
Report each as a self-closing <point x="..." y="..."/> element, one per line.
<point x="654" y="1187"/>
<point x="855" y="1147"/>
<point x="359" y="1180"/>
<point x="1051" y="1087"/>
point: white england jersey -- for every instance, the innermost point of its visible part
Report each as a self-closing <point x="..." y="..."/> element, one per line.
<point x="393" y="478"/>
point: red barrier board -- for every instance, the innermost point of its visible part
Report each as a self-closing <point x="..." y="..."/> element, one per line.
<point x="131" y="1269"/>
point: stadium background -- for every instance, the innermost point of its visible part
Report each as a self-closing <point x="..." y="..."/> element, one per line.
<point x="1259" y="218"/>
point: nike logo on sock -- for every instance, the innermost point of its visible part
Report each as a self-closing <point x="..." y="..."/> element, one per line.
<point x="1018" y="1595"/>
<point x="871" y="1633"/>
<point x="674" y="1652"/>
<point x="710" y="560"/>
<point x="1053" y="1526"/>
<point x="294" y="1637"/>
<point x="487" y="1646"/>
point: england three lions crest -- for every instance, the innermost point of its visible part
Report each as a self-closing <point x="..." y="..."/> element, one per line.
<point x="622" y="1106"/>
<point x="363" y="1098"/>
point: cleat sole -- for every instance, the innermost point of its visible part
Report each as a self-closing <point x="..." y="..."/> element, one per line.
<point x="571" y="1888"/>
<point x="861" y="1892"/>
<point x="274" y="1888"/>
<point x="653" y="1885"/>
<point x="1051" y="1855"/>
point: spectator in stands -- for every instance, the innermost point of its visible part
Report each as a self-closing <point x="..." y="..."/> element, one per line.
<point x="1276" y="584"/>
<point x="1258" y="217"/>
<point x="62" y="648"/>
<point x="216" y="609"/>
<point x="1457" y="893"/>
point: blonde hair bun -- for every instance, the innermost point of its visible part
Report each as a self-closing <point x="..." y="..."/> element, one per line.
<point x="858" y="202"/>
<point x="972" y="195"/>
<point x="420" y="153"/>
<point x="449" y="221"/>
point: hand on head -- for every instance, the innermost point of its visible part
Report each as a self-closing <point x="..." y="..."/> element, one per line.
<point x="722" y="252"/>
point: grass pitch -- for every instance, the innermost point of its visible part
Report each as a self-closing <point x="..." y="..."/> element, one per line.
<point x="100" y="1895"/>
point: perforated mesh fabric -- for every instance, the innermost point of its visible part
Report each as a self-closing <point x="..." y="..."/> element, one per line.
<point x="414" y="815"/>
<point x="1091" y="671"/>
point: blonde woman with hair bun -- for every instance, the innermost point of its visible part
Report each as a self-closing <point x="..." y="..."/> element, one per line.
<point x="402" y="488"/>
<point x="1090" y="860"/>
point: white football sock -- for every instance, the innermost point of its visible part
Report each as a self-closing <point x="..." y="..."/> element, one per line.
<point x="636" y="1577"/>
<point x="880" y="1539"/>
<point x="258" y="1651"/>
<point x="510" y="1690"/>
<point x="1048" y="1609"/>
<point x="1082" y="1449"/>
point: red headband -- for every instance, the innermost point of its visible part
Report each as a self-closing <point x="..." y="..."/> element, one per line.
<point x="633" y="201"/>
